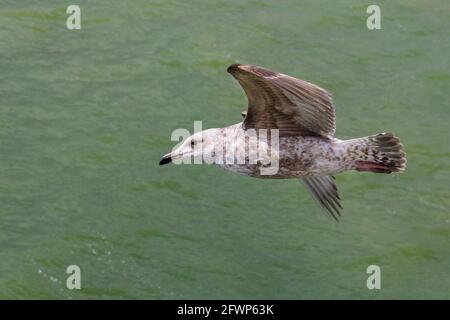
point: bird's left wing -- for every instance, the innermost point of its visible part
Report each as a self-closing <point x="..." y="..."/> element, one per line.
<point x="324" y="190"/>
<point x="278" y="101"/>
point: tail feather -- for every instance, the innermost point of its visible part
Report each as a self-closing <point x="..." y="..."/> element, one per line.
<point x="380" y="153"/>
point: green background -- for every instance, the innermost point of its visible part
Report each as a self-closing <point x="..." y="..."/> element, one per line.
<point x="85" y="116"/>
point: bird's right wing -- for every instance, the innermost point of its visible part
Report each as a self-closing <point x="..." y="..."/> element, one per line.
<point x="278" y="101"/>
<point x="324" y="190"/>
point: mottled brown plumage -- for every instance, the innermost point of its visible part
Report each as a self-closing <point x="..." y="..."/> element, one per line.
<point x="278" y="101"/>
<point x="304" y="114"/>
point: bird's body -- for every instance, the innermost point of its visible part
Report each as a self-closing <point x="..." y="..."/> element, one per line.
<point x="298" y="156"/>
<point x="293" y="122"/>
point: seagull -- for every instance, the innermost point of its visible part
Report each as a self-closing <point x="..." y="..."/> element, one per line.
<point x="303" y="117"/>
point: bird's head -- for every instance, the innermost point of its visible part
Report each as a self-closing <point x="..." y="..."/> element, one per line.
<point x="194" y="149"/>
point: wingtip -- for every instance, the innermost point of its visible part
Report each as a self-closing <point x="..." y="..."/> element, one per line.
<point x="325" y="192"/>
<point x="233" y="68"/>
<point x="255" y="70"/>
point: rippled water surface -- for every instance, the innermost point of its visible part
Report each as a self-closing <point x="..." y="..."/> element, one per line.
<point x="85" y="116"/>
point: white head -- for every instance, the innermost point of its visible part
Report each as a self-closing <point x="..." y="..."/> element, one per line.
<point x="195" y="148"/>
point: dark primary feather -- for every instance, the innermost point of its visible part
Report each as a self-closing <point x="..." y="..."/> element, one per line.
<point x="278" y="101"/>
<point x="324" y="190"/>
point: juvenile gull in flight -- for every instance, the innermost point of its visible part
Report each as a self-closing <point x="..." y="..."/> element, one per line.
<point x="304" y="116"/>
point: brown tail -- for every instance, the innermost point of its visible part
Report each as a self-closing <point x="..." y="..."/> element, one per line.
<point x="380" y="153"/>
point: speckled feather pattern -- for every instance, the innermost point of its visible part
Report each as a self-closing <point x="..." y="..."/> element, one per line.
<point x="302" y="156"/>
<point x="304" y="116"/>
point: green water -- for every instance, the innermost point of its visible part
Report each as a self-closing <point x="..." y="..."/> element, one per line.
<point x="85" y="116"/>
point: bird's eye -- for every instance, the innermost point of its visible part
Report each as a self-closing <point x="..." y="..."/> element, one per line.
<point x="192" y="143"/>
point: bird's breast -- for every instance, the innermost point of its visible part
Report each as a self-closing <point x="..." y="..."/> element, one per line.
<point x="296" y="157"/>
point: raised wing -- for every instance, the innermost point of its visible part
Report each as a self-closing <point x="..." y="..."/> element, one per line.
<point x="278" y="101"/>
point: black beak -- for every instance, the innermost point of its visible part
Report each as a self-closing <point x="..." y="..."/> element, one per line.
<point x="165" y="159"/>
